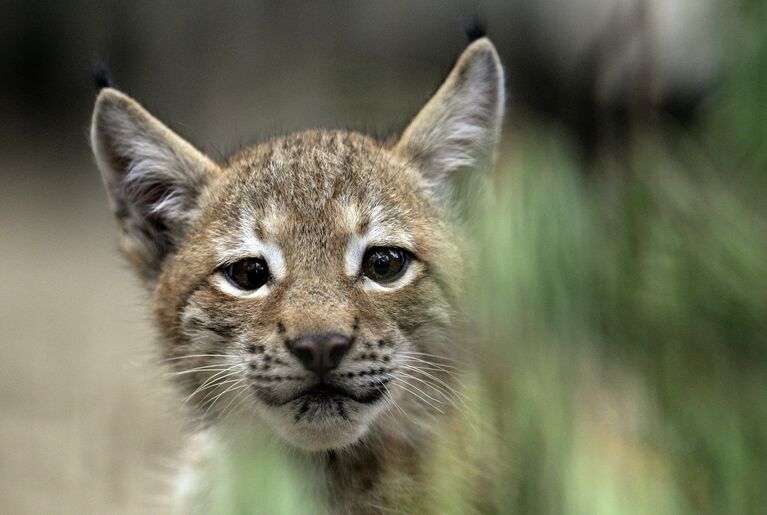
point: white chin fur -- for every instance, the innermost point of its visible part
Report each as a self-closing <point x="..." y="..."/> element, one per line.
<point x="320" y="434"/>
<point x="322" y="437"/>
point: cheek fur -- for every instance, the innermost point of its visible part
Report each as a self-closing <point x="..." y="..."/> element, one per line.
<point x="408" y="308"/>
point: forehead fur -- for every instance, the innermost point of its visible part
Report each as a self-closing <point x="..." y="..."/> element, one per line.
<point x="334" y="179"/>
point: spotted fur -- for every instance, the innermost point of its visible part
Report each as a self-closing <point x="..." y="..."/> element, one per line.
<point x="310" y="204"/>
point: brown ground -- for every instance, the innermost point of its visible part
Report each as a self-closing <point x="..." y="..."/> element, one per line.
<point x="86" y="426"/>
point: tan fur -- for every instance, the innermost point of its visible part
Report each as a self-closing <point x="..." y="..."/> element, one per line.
<point x="305" y="201"/>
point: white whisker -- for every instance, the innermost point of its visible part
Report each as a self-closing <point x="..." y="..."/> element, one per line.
<point x="213" y="401"/>
<point x="212" y="379"/>
<point x="404" y="385"/>
<point x="217" y="384"/>
<point x="422" y="370"/>
<point x="205" y="368"/>
<point x="231" y="402"/>
<point x="450" y="399"/>
<point x="212" y="387"/>
<point x="425" y="365"/>
<point x="394" y="403"/>
<point x="435" y="357"/>
<point x="189" y="356"/>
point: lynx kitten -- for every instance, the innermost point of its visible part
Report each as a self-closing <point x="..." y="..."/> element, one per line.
<point x="313" y="280"/>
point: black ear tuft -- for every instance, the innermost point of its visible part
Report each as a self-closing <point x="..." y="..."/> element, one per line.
<point x="473" y="27"/>
<point x="101" y="77"/>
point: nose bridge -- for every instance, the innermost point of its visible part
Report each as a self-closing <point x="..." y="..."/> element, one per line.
<point x="316" y="306"/>
<point x="318" y="323"/>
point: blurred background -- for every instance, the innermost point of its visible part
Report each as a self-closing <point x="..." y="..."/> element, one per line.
<point x="621" y="294"/>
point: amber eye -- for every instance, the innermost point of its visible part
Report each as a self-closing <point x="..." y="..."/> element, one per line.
<point x="247" y="274"/>
<point x="385" y="264"/>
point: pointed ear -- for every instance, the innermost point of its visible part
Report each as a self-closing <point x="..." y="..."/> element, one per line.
<point x="458" y="128"/>
<point x="153" y="178"/>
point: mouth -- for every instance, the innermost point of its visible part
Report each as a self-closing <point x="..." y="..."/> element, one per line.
<point x="324" y="392"/>
<point x="325" y="414"/>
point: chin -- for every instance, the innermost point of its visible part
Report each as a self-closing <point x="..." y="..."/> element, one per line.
<point x="322" y="423"/>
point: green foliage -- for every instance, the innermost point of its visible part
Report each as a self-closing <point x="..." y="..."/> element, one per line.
<point x="624" y="330"/>
<point x="624" y="313"/>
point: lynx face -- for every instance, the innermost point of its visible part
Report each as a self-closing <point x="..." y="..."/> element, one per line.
<point x="313" y="280"/>
<point x="317" y="270"/>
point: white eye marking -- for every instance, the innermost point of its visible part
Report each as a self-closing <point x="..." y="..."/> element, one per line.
<point x="271" y="222"/>
<point x="375" y="237"/>
<point x="379" y="235"/>
<point x="226" y="286"/>
<point x="354" y="254"/>
<point x="248" y="245"/>
<point x="251" y="247"/>
<point x="271" y="253"/>
<point x="350" y="217"/>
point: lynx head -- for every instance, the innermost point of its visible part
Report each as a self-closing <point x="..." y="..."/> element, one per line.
<point x="313" y="279"/>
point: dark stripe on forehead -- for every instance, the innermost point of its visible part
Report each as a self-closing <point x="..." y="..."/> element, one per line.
<point x="257" y="226"/>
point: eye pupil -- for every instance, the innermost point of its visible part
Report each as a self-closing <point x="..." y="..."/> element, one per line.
<point x="385" y="264"/>
<point x="381" y="263"/>
<point x="248" y="274"/>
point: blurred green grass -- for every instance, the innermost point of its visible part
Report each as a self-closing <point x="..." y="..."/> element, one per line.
<point x="624" y="312"/>
<point x="622" y="318"/>
<point x="625" y="333"/>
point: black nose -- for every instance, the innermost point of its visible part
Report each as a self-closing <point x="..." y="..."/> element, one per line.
<point x="320" y="353"/>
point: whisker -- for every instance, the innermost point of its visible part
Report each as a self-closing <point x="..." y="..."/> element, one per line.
<point x="394" y="403"/>
<point x="217" y="384"/>
<point x="237" y="389"/>
<point x="206" y="368"/>
<point x="213" y="401"/>
<point x="404" y="385"/>
<point x="241" y="406"/>
<point x="450" y="399"/>
<point x="212" y="387"/>
<point x="427" y="355"/>
<point x="423" y="370"/>
<point x="246" y="399"/>
<point x="427" y="365"/>
<point x="213" y="379"/>
<point x="457" y="390"/>
<point x="230" y="403"/>
<point x="189" y="356"/>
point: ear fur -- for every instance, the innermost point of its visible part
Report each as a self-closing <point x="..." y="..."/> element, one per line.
<point x="152" y="175"/>
<point x="460" y="125"/>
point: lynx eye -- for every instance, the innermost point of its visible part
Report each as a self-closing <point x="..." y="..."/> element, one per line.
<point x="385" y="264"/>
<point x="248" y="273"/>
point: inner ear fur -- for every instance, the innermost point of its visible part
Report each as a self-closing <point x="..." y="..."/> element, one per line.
<point x="459" y="126"/>
<point x="152" y="175"/>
